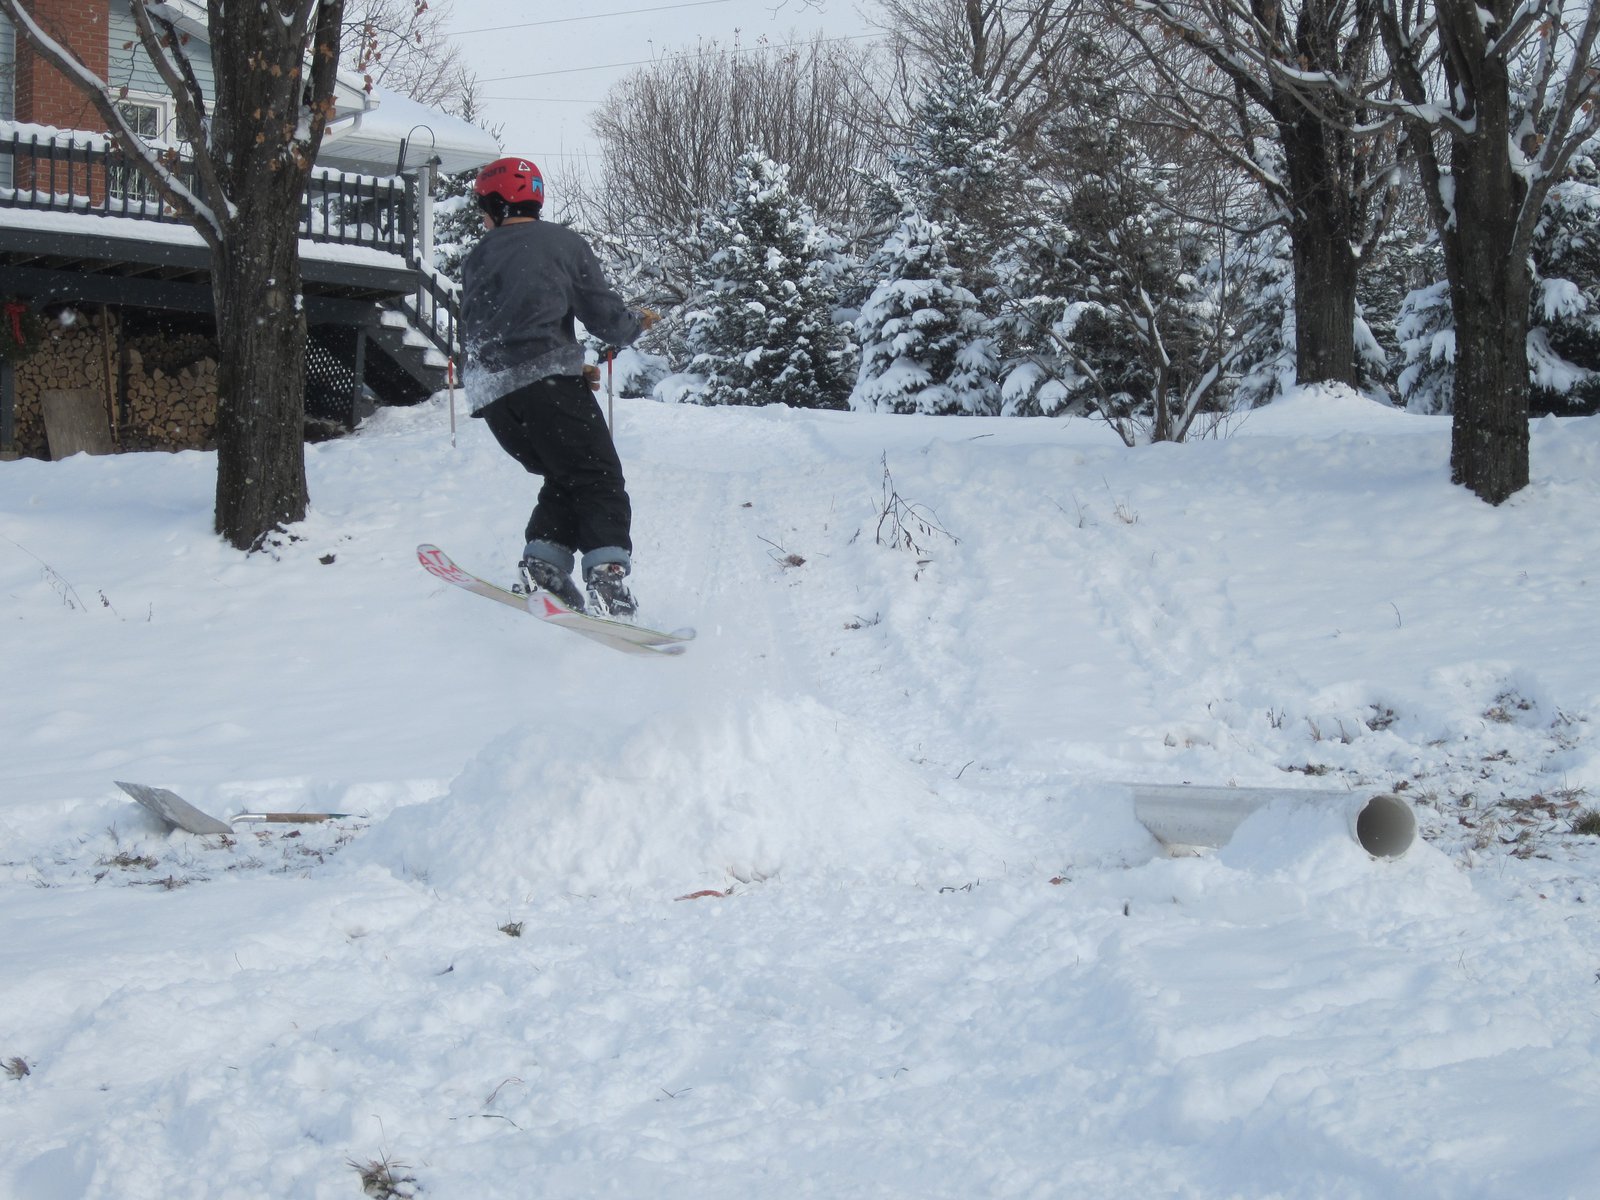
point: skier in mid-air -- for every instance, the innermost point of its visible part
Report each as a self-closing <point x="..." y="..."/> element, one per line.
<point x="523" y="286"/>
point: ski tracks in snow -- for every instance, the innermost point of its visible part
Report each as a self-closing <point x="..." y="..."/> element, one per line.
<point x="1151" y="599"/>
<point x="919" y="592"/>
<point x="951" y="630"/>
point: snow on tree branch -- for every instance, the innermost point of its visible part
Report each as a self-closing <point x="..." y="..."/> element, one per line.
<point x="165" y="51"/>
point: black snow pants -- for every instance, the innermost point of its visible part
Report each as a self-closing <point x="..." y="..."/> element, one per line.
<point x="555" y="428"/>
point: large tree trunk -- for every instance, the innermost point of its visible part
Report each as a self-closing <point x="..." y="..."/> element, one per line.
<point x="261" y="328"/>
<point x="261" y="475"/>
<point x="1489" y="288"/>
<point x="264" y="137"/>
<point x="1322" y="230"/>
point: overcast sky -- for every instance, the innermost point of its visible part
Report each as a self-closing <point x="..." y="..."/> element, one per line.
<point x="544" y="65"/>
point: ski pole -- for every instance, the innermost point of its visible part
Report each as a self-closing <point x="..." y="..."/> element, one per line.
<point x="611" y="400"/>
<point x="450" y="375"/>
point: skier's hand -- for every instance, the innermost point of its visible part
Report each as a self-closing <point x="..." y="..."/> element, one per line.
<point x="591" y="376"/>
<point x="648" y="317"/>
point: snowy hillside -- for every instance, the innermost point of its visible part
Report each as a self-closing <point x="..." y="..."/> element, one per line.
<point x="946" y="960"/>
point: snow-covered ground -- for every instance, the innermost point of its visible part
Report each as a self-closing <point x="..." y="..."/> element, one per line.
<point x="948" y="962"/>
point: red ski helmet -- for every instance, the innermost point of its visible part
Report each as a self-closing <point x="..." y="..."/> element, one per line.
<point x="514" y="180"/>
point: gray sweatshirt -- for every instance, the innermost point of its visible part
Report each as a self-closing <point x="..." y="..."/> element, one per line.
<point x="522" y="287"/>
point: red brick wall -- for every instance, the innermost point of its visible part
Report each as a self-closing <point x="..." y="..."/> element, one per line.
<point x="44" y="95"/>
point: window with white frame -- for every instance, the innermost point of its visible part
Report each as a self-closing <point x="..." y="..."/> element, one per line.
<point x="150" y="117"/>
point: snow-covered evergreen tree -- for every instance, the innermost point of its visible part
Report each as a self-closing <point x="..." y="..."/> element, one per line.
<point x="923" y="345"/>
<point x="1564" y="334"/>
<point x="950" y="206"/>
<point x="1405" y="256"/>
<point x="958" y="173"/>
<point x="1040" y="376"/>
<point x="1427" y="333"/>
<point x="457" y="225"/>
<point x="1563" y="343"/>
<point x="1263" y="355"/>
<point x="1373" y="369"/>
<point x="1135" y="323"/>
<point x="760" y="328"/>
<point x="1114" y="297"/>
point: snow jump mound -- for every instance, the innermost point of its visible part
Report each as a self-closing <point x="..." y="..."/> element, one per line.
<point x="699" y="797"/>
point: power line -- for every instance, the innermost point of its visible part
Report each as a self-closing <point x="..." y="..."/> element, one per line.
<point x="534" y="154"/>
<point x="627" y="12"/>
<point x="642" y="62"/>
<point x="541" y="99"/>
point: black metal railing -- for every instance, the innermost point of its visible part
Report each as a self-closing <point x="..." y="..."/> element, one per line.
<point x="86" y="174"/>
<point x="361" y="210"/>
<point x="434" y="309"/>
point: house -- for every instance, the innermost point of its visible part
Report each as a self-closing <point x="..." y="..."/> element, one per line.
<point x="107" y="320"/>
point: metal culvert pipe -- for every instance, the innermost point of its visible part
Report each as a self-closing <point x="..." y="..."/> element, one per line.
<point x="1183" y="816"/>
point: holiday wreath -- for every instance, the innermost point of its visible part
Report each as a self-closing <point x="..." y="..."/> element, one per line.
<point x="21" y="331"/>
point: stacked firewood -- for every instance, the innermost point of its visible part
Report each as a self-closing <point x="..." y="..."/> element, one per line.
<point x="71" y="357"/>
<point x="162" y="390"/>
<point x="173" y="406"/>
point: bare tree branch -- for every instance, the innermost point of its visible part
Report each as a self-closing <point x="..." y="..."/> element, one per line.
<point x="1028" y="53"/>
<point x="178" y="74"/>
<point x="404" y="47"/>
<point x="672" y="132"/>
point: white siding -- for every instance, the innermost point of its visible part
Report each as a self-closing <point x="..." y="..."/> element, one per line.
<point x="131" y="68"/>
<point x="8" y="87"/>
<point x="8" y="72"/>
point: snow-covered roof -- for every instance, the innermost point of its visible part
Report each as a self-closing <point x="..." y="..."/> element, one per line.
<point x="185" y="14"/>
<point x="371" y="138"/>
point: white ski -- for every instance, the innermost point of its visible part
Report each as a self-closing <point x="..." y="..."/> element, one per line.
<point x="619" y="635"/>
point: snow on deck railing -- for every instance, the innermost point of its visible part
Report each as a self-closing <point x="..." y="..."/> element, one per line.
<point x="434" y="309"/>
<point x="83" y="172"/>
<point x="74" y="171"/>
